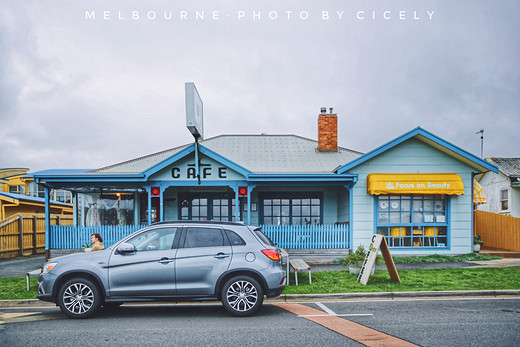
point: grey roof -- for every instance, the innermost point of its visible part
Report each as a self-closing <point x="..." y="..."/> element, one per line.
<point x="261" y="154"/>
<point x="508" y="166"/>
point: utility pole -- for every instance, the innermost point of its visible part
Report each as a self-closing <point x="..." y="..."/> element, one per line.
<point x="481" y="132"/>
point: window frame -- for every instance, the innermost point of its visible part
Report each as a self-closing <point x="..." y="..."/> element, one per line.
<point x="291" y="196"/>
<point x="506" y="200"/>
<point x="416" y="225"/>
<point x="182" y="244"/>
<point x="209" y="206"/>
<point x="174" y="244"/>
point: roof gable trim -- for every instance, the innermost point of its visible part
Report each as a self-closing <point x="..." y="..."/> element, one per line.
<point x="418" y="133"/>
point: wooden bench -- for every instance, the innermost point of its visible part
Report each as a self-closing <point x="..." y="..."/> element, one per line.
<point x="29" y="274"/>
<point x="299" y="265"/>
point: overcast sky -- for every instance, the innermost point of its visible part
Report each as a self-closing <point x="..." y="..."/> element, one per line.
<point x="85" y="84"/>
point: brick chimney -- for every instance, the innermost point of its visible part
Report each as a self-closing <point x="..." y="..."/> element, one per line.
<point x="327" y="131"/>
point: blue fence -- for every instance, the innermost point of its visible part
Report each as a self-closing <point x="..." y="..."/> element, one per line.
<point x="308" y="236"/>
<point x="73" y="237"/>
<point x="285" y="236"/>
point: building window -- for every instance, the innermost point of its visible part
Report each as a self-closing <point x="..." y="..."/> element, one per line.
<point x="504" y="201"/>
<point x="218" y="207"/>
<point x="413" y="220"/>
<point x="291" y="208"/>
<point x="17" y="189"/>
<point x="36" y="190"/>
<point x="62" y="196"/>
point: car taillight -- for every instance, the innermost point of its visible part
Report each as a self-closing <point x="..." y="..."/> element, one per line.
<point x="271" y="254"/>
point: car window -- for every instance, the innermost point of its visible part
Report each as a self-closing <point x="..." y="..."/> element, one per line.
<point x="203" y="237"/>
<point x="262" y="237"/>
<point x="154" y="239"/>
<point x="234" y="239"/>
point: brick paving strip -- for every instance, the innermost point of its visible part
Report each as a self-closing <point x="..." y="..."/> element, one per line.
<point x="352" y="330"/>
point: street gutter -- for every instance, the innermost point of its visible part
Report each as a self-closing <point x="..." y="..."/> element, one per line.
<point x="323" y="297"/>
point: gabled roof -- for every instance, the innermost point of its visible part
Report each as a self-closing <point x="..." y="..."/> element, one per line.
<point x="11" y="172"/>
<point x="259" y="154"/>
<point x="508" y="166"/>
<point x="430" y="139"/>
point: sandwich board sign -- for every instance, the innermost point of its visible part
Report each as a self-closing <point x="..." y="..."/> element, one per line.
<point x="194" y="110"/>
<point x="378" y="241"/>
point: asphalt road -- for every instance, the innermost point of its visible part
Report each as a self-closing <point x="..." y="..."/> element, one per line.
<point x="457" y="322"/>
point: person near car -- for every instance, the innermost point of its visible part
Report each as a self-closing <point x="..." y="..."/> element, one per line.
<point x="97" y="240"/>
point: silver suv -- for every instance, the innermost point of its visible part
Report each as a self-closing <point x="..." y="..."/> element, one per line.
<point x="169" y="261"/>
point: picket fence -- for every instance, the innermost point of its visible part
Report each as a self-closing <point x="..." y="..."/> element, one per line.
<point x="74" y="237"/>
<point x="326" y="236"/>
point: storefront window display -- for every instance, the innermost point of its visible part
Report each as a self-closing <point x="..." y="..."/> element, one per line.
<point x="107" y="209"/>
<point x="413" y="220"/>
<point x="291" y="208"/>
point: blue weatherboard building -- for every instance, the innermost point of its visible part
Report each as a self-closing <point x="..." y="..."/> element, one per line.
<point x="416" y="190"/>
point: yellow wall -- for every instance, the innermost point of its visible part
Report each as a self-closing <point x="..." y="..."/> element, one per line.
<point x="9" y="206"/>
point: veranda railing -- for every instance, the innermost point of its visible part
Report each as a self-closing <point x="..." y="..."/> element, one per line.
<point x="309" y="236"/>
<point x="73" y="237"/>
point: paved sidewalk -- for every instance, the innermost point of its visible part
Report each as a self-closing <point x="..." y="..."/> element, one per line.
<point x="18" y="267"/>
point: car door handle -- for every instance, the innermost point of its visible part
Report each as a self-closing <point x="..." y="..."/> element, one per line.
<point x="166" y="260"/>
<point x="221" y="256"/>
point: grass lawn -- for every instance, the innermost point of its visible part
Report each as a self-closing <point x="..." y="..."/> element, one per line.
<point x="14" y="288"/>
<point x="411" y="280"/>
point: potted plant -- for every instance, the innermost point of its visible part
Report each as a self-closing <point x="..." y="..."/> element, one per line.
<point x="477" y="242"/>
<point x="355" y="260"/>
<point x="86" y="247"/>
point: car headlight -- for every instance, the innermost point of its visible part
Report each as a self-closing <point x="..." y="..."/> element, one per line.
<point x="48" y="267"/>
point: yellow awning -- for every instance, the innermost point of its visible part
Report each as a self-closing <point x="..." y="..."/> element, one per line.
<point x="478" y="194"/>
<point x="431" y="183"/>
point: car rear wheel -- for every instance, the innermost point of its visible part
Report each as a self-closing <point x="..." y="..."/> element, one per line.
<point x="242" y="296"/>
<point x="79" y="298"/>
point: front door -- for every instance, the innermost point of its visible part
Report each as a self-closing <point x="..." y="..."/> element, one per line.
<point x="207" y="206"/>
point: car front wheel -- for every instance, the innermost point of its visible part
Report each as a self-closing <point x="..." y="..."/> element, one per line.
<point x="242" y="296"/>
<point x="79" y="298"/>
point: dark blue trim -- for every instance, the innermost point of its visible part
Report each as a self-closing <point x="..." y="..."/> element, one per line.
<point x="418" y="132"/>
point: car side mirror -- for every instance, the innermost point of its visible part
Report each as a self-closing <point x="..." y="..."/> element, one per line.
<point x="126" y="248"/>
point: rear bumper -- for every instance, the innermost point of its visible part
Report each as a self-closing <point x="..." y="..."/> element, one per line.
<point x="271" y="293"/>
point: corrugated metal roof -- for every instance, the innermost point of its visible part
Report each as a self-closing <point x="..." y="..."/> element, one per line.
<point x="261" y="154"/>
<point x="509" y="166"/>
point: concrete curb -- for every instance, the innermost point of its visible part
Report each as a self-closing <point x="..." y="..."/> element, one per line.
<point x="324" y="297"/>
<point x="394" y="295"/>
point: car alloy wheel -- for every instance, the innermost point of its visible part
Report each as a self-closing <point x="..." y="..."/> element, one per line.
<point x="79" y="298"/>
<point x="242" y="296"/>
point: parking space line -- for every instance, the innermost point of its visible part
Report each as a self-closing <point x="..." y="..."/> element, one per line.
<point x="352" y="330"/>
<point x="326" y="309"/>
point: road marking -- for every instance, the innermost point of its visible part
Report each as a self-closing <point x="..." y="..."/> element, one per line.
<point x="338" y="315"/>
<point x="352" y="330"/>
<point x="20" y="317"/>
<point x="326" y="309"/>
<point x="17" y="314"/>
